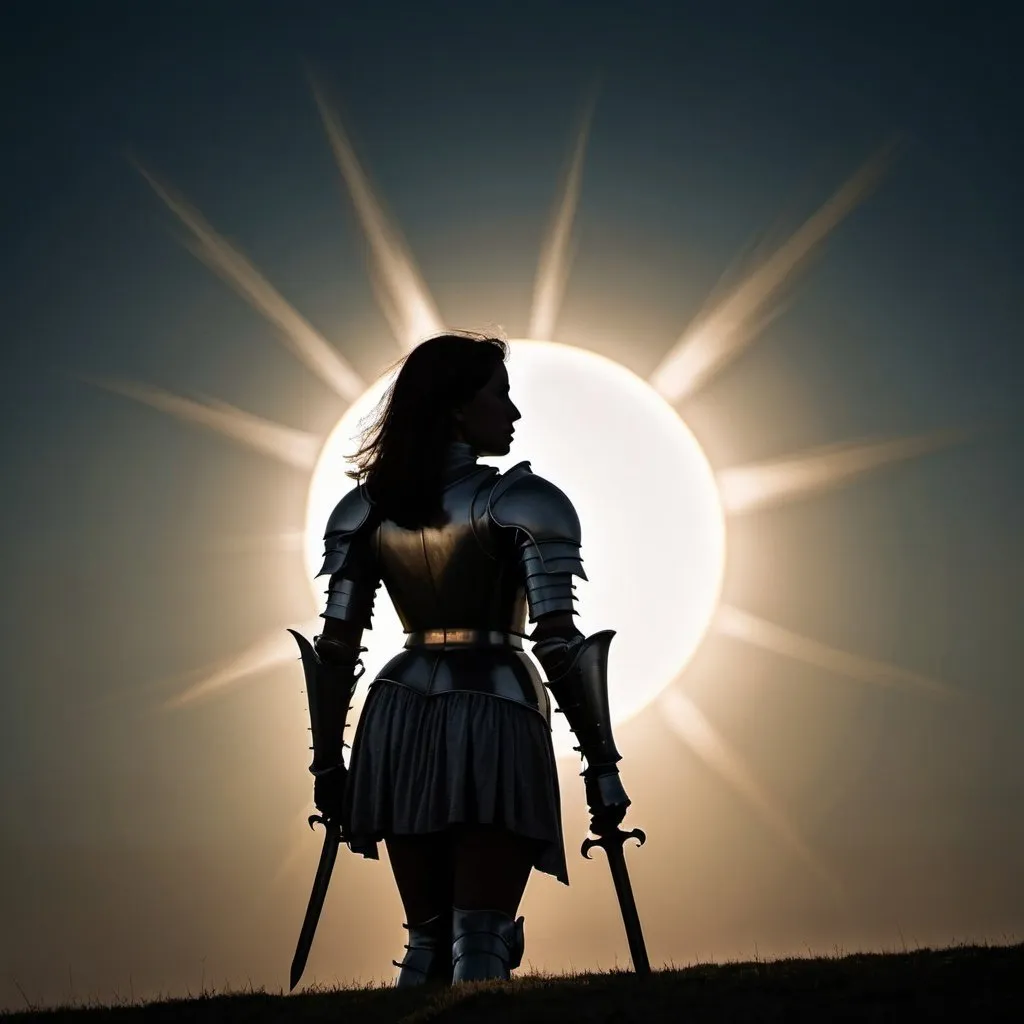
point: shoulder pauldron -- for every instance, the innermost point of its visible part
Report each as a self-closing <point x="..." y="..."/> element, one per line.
<point x="551" y="536"/>
<point x="350" y="515"/>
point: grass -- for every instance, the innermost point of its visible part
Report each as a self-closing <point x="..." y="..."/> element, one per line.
<point x="968" y="983"/>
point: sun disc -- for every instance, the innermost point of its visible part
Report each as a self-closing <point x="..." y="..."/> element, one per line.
<point x="653" y="527"/>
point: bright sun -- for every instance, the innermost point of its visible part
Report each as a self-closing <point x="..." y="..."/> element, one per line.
<point x="646" y="497"/>
<point x="652" y="510"/>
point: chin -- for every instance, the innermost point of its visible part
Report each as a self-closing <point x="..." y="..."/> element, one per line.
<point x="502" y="447"/>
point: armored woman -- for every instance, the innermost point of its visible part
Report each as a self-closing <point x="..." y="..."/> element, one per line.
<point x="452" y="766"/>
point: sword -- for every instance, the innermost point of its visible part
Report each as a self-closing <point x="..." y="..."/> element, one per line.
<point x="318" y="682"/>
<point x="328" y="855"/>
<point x="612" y="844"/>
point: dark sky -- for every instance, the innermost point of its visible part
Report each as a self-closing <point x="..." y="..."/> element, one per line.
<point x="715" y="126"/>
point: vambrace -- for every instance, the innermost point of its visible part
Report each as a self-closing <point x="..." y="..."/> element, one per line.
<point x="331" y="675"/>
<point x="577" y="672"/>
<point x="351" y="599"/>
<point x="548" y="577"/>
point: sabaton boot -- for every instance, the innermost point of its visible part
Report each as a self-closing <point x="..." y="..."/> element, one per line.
<point x="485" y="944"/>
<point x="427" y="953"/>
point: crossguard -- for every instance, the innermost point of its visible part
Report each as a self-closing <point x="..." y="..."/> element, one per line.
<point x="322" y="819"/>
<point x="618" y="836"/>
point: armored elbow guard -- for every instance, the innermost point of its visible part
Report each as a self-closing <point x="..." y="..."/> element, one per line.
<point x="577" y="672"/>
<point x="332" y="670"/>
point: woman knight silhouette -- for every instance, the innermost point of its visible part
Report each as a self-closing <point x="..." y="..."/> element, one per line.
<point x="452" y="765"/>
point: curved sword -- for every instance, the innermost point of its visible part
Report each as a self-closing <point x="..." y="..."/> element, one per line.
<point x="328" y="855"/>
<point x="612" y="843"/>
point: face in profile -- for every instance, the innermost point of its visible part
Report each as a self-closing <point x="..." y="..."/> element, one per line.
<point x="486" y="421"/>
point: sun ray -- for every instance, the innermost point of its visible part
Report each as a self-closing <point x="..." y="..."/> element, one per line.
<point x="719" y="333"/>
<point x="225" y="260"/>
<point x="292" y="447"/>
<point x="745" y="489"/>
<point x="401" y="291"/>
<point x="298" y="849"/>
<point x="276" y="648"/>
<point x="689" y="723"/>
<point x="556" y="252"/>
<point x="741" y="625"/>
<point x="285" y="541"/>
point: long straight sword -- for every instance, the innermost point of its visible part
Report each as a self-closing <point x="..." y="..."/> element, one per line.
<point x="328" y="855"/>
<point x="612" y="844"/>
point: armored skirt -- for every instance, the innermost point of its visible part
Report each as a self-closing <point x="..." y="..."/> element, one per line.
<point x="422" y="762"/>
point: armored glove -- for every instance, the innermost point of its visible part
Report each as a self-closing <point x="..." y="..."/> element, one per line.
<point x="329" y="791"/>
<point x="606" y="799"/>
<point x="577" y="672"/>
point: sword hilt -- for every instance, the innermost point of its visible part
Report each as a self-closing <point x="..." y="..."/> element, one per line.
<point x="619" y="837"/>
<point x="323" y="819"/>
<point x="612" y="842"/>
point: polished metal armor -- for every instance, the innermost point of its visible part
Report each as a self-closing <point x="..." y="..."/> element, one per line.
<point x="507" y="548"/>
<point x="504" y="550"/>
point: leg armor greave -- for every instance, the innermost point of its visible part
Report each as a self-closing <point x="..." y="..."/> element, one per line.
<point x="428" y="953"/>
<point x="486" y="944"/>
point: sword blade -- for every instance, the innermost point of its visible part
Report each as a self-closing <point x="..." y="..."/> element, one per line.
<point x="627" y="904"/>
<point x="328" y="855"/>
<point x="612" y="844"/>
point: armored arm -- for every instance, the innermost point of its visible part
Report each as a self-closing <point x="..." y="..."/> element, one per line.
<point x="331" y="664"/>
<point x="549" y="538"/>
<point x="350" y="562"/>
<point x="577" y="671"/>
<point x="546" y="529"/>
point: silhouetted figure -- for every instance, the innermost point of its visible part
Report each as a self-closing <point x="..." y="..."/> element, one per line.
<point x="452" y="764"/>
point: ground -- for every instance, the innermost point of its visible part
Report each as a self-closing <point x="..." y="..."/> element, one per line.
<point x="968" y="983"/>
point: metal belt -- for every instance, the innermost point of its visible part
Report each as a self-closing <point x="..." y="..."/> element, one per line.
<point x="462" y="638"/>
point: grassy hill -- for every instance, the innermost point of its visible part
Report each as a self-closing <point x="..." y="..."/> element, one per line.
<point x="968" y="983"/>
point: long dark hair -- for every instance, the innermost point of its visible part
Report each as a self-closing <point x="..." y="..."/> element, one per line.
<point x="401" y="452"/>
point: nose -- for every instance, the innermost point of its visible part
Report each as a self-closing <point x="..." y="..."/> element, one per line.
<point x="516" y="414"/>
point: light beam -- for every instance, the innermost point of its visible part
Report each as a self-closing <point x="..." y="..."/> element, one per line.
<point x="285" y="541"/>
<point x="760" y="633"/>
<point x="556" y="252"/>
<point x="276" y="648"/>
<point x="301" y="337"/>
<point x="292" y="447"/>
<point x="299" y="850"/>
<point x="718" y="334"/>
<point x="689" y="723"/>
<point x="745" y="489"/>
<point x="401" y="292"/>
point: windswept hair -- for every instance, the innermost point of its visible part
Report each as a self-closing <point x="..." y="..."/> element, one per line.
<point x="401" y="454"/>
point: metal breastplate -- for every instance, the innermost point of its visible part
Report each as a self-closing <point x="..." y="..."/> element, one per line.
<point x="459" y="592"/>
<point x="460" y="575"/>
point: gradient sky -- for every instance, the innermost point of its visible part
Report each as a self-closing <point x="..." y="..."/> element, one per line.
<point x="142" y="850"/>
